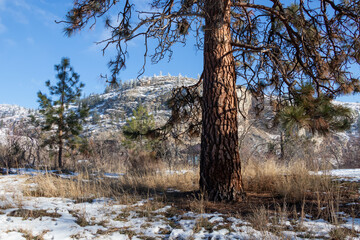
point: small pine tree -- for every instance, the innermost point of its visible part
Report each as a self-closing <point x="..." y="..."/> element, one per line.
<point x="61" y="119"/>
<point x="138" y="126"/>
<point x="95" y="117"/>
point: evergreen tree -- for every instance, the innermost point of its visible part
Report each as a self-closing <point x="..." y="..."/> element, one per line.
<point x="138" y="126"/>
<point x="61" y="118"/>
<point x="269" y="45"/>
<point x="96" y="118"/>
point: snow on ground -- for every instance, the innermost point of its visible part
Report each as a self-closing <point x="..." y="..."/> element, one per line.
<point x="344" y="174"/>
<point x="62" y="218"/>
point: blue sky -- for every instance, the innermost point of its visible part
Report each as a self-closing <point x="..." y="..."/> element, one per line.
<point x="31" y="43"/>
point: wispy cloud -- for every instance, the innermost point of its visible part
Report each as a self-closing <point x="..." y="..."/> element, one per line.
<point x="13" y="9"/>
<point x="2" y="26"/>
<point x="9" y="42"/>
<point x="22" y="4"/>
<point x="45" y="15"/>
<point x="30" y="40"/>
<point x="2" y="4"/>
<point x="21" y="11"/>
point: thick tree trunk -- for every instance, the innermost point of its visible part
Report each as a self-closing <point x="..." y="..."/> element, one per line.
<point x="220" y="168"/>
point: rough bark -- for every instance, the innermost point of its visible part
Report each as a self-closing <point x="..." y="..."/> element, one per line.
<point x="60" y="155"/>
<point x="220" y="168"/>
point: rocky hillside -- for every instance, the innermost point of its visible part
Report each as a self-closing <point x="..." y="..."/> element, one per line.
<point x="259" y="138"/>
<point x="11" y="116"/>
<point x="111" y="109"/>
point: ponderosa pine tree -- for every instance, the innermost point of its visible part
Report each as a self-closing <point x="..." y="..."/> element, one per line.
<point x="271" y="46"/>
<point x="61" y="118"/>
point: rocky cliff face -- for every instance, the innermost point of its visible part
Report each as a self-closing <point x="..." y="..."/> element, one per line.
<point x="258" y="137"/>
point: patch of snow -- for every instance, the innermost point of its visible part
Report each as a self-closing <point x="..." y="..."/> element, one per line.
<point x="344" y="174"/>
<point x="101" y="215"/>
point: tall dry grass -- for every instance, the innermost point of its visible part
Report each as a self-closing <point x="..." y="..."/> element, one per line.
<point x="49" y="185"/>
<point x="163" y="181"/>
<point x="286" y="184"/>
<point x="84" y="187"/>
<point x="291" y="181"/>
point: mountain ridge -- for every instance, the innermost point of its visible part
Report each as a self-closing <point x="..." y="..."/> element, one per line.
<point x="110" y="110"/>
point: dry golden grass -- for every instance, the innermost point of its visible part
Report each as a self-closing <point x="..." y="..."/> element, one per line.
<point x="79" y="187"/>
<point x="266" y="182"/>
<point x="126" y="189"/>
<point x="292" y="186"/>
<point x="163" y="181"/>
<point x="275" y="192"/>
<point x="26" y="213"/>
<point x="292" y="181"/>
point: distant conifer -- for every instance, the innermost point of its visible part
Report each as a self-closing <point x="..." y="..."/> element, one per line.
<point x="61" y="118"/>
<point x="138" y="127"/>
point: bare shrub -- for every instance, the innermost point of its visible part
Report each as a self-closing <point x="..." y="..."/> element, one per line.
<point x="351" y="156"/>
<point x="22" y="147"/>
<point x="260" y="219"/>
<point x="142" y="163"/>
<point x="104" y="153"/>
<point x="12" y="155"/>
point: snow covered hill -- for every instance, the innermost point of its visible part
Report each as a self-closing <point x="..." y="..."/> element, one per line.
<point x="110" y="110"/>
<point x="11" y="116"/>
<point x="12" y="113"/>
